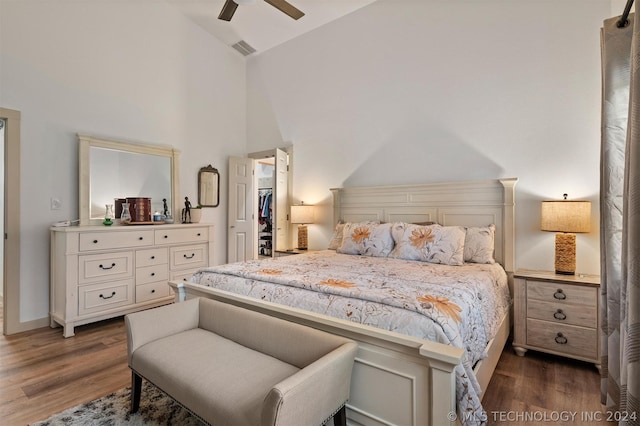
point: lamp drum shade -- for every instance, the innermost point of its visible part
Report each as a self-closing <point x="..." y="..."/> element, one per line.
<point x="566" y="216"/>
<point x="302" y="214"/>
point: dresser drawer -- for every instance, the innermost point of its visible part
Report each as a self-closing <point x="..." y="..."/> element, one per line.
<point x="568" y="339"/>
<point x="115" y="240"/>
<point x="188" y="256"/>
<point x="151" y="291"/>
<point x="104" y="296"/>
<point x="99" y="267"/>
<point x="183" y="235"/>
<point x="561" y="293"/>
<point x="152" y="273"/>
<point x="183" y="275"/>
<point x="156" y="256"/>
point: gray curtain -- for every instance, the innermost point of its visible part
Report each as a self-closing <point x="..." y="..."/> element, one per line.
<point x="620" y="219"/>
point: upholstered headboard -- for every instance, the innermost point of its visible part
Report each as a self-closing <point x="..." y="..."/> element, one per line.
<point x="468" y="203"/>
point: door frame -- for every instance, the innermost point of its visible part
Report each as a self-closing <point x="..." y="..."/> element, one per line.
<point x="11" y="272"/>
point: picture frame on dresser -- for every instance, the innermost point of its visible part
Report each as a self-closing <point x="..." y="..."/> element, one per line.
<point x="557" y="314"/>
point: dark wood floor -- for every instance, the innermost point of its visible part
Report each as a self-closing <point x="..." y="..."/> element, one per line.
<point x="42" y="373"/>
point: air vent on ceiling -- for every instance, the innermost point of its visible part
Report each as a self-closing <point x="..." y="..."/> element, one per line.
<point x="244" y="48"/>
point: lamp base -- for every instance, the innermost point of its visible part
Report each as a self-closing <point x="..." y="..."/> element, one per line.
<point x="565" y="253"/>
<point x="303" y="239"/>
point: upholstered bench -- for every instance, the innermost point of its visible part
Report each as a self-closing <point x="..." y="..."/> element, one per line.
<point x="233" y="366"/>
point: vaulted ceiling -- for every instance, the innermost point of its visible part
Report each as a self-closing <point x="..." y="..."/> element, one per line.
<point x="261" y="25"/>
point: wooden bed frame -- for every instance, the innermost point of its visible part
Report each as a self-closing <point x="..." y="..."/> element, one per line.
<point x="398" y="379"/>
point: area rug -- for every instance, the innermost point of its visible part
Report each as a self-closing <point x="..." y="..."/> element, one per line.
<point x="156" y="409"/>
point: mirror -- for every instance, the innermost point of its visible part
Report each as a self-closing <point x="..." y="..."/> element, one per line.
<point x="114" y="169"/>
<point x="208" y="187"/>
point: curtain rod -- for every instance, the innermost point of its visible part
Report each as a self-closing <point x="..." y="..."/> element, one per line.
<point x="622" y="22"/>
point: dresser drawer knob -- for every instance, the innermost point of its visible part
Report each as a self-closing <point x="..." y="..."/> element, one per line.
<point x="199" y="234"/>
<point x="108" y="297"/>
<point x="153" y="291"/>
<point x="141" y="238"/>
<point x="559" y="294"/>
<point x="153" y="257"/>
<point x="189" y="257"/>
<point x="95" y="241"/>
<point x="153" y="274"/>
<point x="560" y="339"/>
<point x="105" y="268"/>
<point x="166" y="236"/>
<point x="559" y="315"/>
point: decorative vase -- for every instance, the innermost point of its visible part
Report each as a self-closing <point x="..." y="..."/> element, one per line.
<point x="196" y="215"/>
<point x="125" y="216"/>
<point x="108" y="215"/>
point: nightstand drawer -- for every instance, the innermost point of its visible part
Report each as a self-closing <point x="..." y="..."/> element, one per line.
<point x="561" y="293"/>
<point x="568" y="339"/>
<point x="585" y="316"/>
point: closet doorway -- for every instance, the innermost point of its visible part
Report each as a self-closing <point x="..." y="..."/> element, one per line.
<point x="258" y="205"/>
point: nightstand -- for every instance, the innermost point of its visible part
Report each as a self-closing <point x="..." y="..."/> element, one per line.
<point x="281" y="253"/>
<point x="557" y="314"/>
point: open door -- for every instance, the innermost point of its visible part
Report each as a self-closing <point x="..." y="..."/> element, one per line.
<point x="240" y="236"/>
<point x="281" y="195"/>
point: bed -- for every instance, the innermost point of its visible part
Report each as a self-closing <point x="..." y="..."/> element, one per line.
<point x="429" y="334"/>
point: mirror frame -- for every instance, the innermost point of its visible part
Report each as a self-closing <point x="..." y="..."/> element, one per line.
<point x="84" y="183"/>
<point x="203" y="170"/>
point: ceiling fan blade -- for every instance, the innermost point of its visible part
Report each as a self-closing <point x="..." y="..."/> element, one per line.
<point x="228" y="10"/>
<point x="287" y="8"/>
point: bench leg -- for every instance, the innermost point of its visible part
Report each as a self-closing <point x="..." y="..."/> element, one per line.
<point x="340" y="418"/>
<point x="136" y="389"/>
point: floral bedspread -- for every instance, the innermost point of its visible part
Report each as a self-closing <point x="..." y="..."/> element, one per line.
<point x="457" y="305"/>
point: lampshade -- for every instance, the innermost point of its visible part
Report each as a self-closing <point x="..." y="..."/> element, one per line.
<point x="302" y="214"/>
<point x="566" y="216"/>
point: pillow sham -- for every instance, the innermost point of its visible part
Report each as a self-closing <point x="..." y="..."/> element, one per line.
<point x="366" y="239"/>
<point x="479" y="244"/>
<point x="432" y="243"/>
<point x="336" y="237"/>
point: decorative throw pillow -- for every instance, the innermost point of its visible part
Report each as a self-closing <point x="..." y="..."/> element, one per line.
<point x="336" y="237"/>
<point x="433" y="243"/>
<point x="367" y="239"/>
<point x="479" y="244"/>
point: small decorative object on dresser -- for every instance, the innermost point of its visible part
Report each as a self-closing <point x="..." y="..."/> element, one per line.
<point x="557" y="314"/>
<point x="108" y="215"/>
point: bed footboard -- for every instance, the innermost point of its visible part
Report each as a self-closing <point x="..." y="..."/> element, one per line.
<point x="396" y="379"/>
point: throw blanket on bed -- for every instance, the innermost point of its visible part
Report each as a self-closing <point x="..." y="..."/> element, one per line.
<point x="458" y="305"/>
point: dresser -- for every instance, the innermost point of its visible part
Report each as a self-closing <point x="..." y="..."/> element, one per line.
<point x="100" y="272"/>
<point x="557" y="314"/>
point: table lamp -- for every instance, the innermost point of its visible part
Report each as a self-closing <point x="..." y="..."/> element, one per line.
<point x="566" y="217"/>
<point x="302" y="215"/>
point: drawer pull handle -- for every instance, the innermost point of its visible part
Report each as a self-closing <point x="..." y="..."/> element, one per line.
<point x="108" y="297"/>
<point x="189" y="257"/>
<point x="559" y="294"/>
<point x="560" y="339"/>
<point x="166" y="236"/>
<point x="559" y="315"/>
<point x="153" y="291"/>
<point x="141" y="238"/>
<point x="95" y="241"/>
<point x="153" y="257"/>
<point x="106" y="268"/>
<point x="153" y="274"/>
<point x="199" y="234"/>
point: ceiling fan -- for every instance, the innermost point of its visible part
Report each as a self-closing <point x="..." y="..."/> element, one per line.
<point x="230" y="7"/>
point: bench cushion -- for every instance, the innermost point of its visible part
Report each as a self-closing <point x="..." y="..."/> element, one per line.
<point x="223" y="381"/>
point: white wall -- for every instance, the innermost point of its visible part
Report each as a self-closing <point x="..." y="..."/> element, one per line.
<point x="408" y="91"/>
<point x="124" y="70"/>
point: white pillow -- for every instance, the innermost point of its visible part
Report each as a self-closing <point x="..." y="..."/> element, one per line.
<point x="336" y="237"/>
<point x="433" y="243"/>
<point x="479" y="244"/>
<point x="367" y="239"/>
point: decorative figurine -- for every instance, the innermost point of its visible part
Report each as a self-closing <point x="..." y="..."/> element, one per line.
<point x="165" y="210"/>
<point x="186" y="212"/>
